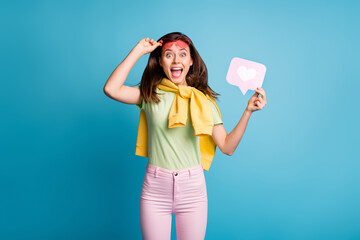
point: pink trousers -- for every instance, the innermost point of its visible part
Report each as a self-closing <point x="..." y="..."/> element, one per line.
<point x="182" y="192"/>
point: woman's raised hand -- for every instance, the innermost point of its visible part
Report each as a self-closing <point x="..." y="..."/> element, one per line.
<point x="257" y="103"/>
<point x="146" y="45"/>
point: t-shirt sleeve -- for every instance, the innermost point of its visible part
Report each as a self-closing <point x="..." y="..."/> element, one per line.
<point x="141" y="105"/>
<point x="216" y="117"/>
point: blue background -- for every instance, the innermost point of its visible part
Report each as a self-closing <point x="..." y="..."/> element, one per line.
<point x="68" y="169"/>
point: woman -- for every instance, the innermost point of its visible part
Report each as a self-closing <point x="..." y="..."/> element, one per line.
<point x="180" y="126"/>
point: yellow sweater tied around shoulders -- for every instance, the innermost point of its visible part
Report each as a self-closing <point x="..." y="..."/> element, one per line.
<point x="201" y="117"/>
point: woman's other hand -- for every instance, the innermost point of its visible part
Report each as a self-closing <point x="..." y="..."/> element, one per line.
<point x="257" y="103"/>
<point x="147" y="45"/>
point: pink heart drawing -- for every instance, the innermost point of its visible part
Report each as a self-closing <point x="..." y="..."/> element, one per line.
<point x="245" y="74"/>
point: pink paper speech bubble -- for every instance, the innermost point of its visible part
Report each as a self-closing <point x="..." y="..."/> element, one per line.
<point x="245" y="74"/>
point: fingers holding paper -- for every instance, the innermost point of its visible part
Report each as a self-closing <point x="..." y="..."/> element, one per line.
<point x="257" y="102"/>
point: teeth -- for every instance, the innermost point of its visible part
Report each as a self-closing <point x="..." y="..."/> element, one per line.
<point x="176" y="69"/>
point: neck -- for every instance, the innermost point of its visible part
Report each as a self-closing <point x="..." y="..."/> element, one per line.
<point x="181" y="84"/>
<point x="184" y="83"/>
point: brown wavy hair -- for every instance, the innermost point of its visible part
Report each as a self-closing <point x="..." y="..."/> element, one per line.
<point x="197" y="76"/>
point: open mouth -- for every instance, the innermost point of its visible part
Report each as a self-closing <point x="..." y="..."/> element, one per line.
<point x="176" y="72"/>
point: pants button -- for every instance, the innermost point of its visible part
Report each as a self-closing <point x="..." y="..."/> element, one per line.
<point x="176" y="174"/>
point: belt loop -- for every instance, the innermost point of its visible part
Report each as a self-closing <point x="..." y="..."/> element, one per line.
<point x="156" y="169"/>
<point x="189" y="172"/>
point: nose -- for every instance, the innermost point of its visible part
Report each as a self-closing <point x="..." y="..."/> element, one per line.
<point x="175" y="59"/>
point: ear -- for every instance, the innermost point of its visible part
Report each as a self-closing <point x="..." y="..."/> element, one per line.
<point x="191" y="63"/>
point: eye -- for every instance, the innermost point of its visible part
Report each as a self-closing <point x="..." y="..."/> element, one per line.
<point x="167" y="55"/>
<point x="183" y="54"/>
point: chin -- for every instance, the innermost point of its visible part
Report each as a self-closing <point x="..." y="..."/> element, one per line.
<point x="177" y="80"/>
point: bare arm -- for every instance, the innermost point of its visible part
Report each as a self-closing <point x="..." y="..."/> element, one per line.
<point x="114" y="87"/>
<point x="228" y="143"/>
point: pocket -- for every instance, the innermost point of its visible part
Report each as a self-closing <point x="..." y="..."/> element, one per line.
<point x="146" y="185"/>
<point x="203" y="190"/>
<point x="197" y="185"/>
<point x="159" y="186"/>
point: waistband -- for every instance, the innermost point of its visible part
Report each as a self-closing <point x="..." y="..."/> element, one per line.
<point x="181" y="172"/>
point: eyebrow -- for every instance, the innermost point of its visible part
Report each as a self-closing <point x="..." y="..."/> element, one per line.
<point x="172" y="50"/>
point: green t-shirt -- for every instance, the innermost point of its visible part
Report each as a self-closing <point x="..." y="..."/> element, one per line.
<point x="171" y="148"/>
